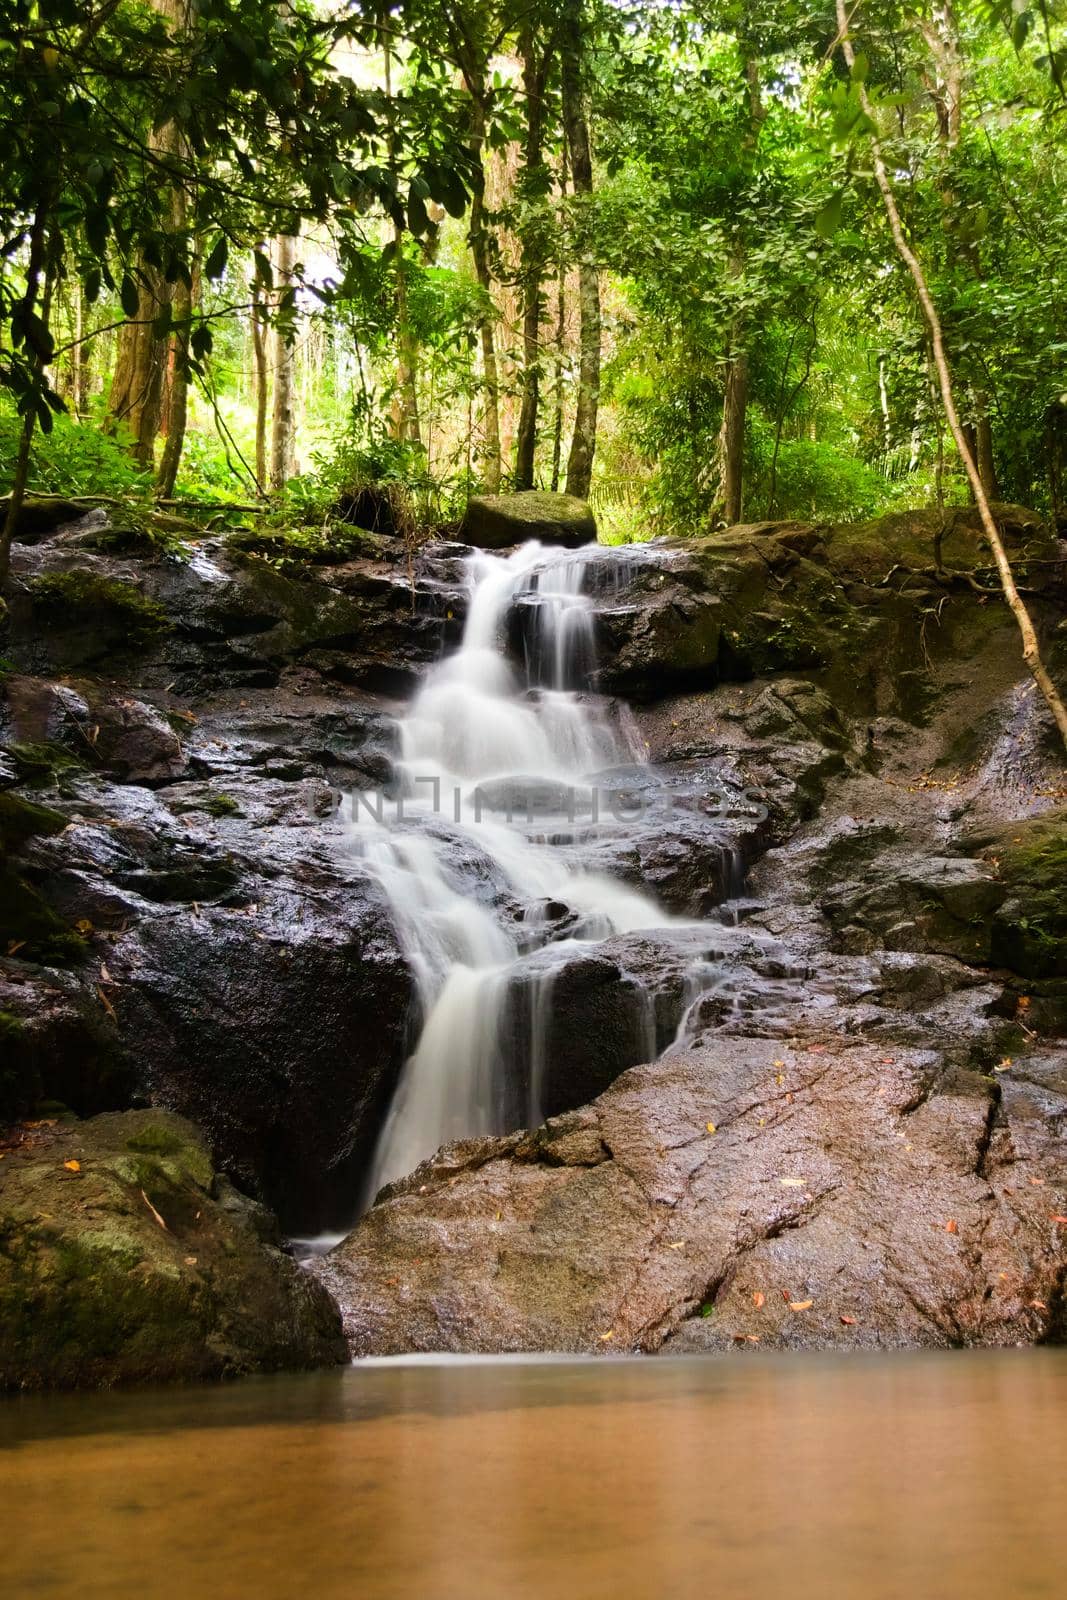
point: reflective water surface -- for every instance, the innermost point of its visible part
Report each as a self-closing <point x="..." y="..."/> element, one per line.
<point x="915" y="1477"/>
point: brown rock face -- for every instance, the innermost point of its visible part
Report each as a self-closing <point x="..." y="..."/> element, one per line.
<point x="745" y="1190"/>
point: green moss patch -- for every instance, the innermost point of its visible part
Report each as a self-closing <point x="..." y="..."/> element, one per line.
<point x="108" y="603"/>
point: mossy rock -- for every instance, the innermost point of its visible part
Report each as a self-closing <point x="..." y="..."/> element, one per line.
<point x="1030" y="929"/>
<point x="292" y="548"/>
<point x="108" y="606"/>
<point x="495" y="521"/>
<point x="124" y="1259"/>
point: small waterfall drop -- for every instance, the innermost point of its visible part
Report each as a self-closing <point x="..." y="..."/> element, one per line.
<point x="497" y="779"/>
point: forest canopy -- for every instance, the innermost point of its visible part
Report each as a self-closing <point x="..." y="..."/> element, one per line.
<point x="266" y="253"/>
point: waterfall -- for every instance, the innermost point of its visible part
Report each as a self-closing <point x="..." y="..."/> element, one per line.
<point x="497" y="779"/>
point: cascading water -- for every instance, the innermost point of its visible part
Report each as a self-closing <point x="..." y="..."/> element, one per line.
<point x="498" y="781"/>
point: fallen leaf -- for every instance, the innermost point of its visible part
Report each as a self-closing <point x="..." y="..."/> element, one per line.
<point x="1038" y="1183"/>
<point x="793" y="1183"/>
<point x="779" y="1063"/>
<point x="850" y="1322"/>
<point x="1003" y="1066"/>
<point x="15" y="944"/>
<point x="1060" y="1221"/>
<point x="758" y="1299"/>
<point x="712" y="1128"/>
<point x="753" y="1338"/>
<point x="604" y="1337"/>
<point x="679" y="1244"/>
<point x="952" y="1226"/>
<point x="786" y="1296"/>
<point x="190" y="1261"/>
<point x="154" y="1212"/>
<point x="106" y="1003"/>
<point x="105" y="976"/>
<point x="1037" y="1305"/>
<point x="801" y="1305"/>
<point x="84" y="925"/>
<point x="1023" y="1002"/>
<point x="73" y="1166"/>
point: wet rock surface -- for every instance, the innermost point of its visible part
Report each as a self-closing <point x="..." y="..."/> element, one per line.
<point x="827" y="1194"/>
<point x="853" y="815"/>
<point x="125" y="1258"/>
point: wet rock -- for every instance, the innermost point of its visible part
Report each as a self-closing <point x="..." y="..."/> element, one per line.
<point x="496" y="521"/>
<point x="838" y="1195"/>
<point x="124" y="1258"/>
<point x="1029" y="859"/>
<point x="136" y="743"/>
<point x="254" y="979"/>
<point x="57" y="1044"/>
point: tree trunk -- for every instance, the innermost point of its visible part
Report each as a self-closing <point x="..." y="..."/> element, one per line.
<point x="138" y="383"/>
<point x="136" y="398"/>
<point x="987" y="467"/>
<point x="38" y="265"/>
<point x="945" y="88"/>
<point x="405" y="408"/>
<point x="261" y="381"/>
<point x="729" y="500"/>
<point x="1031" y="647"/>
<point x="281" y="439"/>
<point x="178" y="396"/>
<point x="576" y="127"/>
<point x="534" y="73"/>
<point x="479" y="247"/>
<point x="732" y="436"/>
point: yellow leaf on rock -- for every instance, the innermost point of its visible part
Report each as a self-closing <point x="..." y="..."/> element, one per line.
<point x="801" y="1305"/>
<point x="604" y="1337"/>
<point x="793" y="1183"/>
<point x="73" y="1166"/>
<point x="712" y="1128"/>
<point x="758" y="1299"/>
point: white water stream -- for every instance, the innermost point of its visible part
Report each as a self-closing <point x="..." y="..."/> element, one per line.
<point x="472" y="888"/>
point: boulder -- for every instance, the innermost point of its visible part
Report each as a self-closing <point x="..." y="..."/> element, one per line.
<point x="496" y="521"/>
<point x="737" y="1192"/>
<point x="125" y="1259"/>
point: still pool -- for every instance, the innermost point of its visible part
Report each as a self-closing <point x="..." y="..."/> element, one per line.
<point x="896" y="1477"/>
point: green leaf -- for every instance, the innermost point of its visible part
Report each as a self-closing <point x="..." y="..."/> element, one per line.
<point x="128" y="295"/>
<point x="828" y="219"/>
<point x="215" y="265"/>
<point x="201" y="341"/>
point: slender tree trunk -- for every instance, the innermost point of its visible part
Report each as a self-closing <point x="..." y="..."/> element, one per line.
<point x="730" y="498"/>
<point x="281" y="439"/>
<point x="732" y="436"/>
<point x="177" y="407"/>
<point x="261" y="383"/>
<point x="557" y="375"/>
<point x="987" y="466"/>
<point x="479" y="247"/>
<point x="405" y="408"/>
<point x="945" y="88"/>
<point x="1028" y="633"/>
<point x="576" y="126"/>
<point x="37" y="267"/>
<point x="534" y="74"/>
